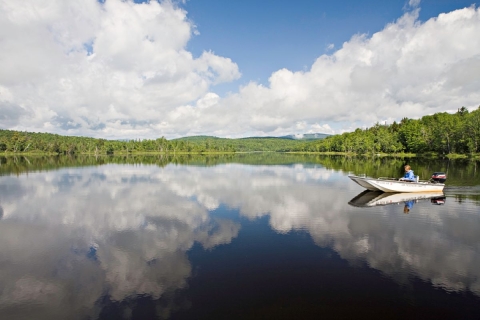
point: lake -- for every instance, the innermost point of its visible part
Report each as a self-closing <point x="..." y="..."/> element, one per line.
<point x="253" y="236"/>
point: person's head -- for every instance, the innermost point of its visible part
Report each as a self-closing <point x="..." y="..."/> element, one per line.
<point x="407" y="168"/>
<point x="406" y="210"/>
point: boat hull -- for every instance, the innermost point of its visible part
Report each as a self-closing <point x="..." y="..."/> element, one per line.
<point x="362" y="182"/>
<point x="390" y="185"/>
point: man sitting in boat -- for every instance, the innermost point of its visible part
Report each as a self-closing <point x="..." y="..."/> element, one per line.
<point x="409" y="176"/>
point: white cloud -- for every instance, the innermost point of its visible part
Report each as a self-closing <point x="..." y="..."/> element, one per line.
<point x="414" y="3"/>
<point x="117" y="66"/>
<point x="315" y="128"/>
<point x="122" y="70"/>
<point x="408" y="69"/>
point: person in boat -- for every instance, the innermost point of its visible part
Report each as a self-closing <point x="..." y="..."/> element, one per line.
<point x="409" y="176"/>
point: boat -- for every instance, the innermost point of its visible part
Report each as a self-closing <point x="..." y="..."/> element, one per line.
<point x="435" y="184"/>
<point x="379" y="198"/>
<point x="363" y="182"/>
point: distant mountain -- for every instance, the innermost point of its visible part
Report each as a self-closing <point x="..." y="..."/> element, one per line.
<point x="305" y="137"/>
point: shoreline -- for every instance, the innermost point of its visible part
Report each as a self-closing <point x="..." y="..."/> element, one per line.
<point x="348" y="154"/>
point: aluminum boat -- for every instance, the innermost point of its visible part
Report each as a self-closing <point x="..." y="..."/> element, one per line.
<point x="396" y="185"/>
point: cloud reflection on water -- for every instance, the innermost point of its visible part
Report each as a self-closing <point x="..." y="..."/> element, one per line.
<point x="125" y="230"/>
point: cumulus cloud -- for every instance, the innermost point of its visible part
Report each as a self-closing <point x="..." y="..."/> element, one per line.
<point x="409" y="69"/>
<point x="121" y="69"/>
<point x="10" y="114"/>
<point x="116" y="67"/>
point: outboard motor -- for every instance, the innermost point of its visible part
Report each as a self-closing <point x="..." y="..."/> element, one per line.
<point x="440" y="177"/>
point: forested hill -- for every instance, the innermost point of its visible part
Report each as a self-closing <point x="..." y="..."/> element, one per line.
<point x="31" y="142"/>
<point x="252" y="144"/>
<point x="248" y="144"/>
<point x="305" y="137"/>
<point x="441" y="133"/>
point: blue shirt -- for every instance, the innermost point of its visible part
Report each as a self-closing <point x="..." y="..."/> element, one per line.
<point x="409" y="176"/>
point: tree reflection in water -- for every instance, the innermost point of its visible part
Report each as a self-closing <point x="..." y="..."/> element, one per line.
<point x="106" y="235"/>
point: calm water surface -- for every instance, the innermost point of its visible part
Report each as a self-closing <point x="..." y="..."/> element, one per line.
<point x="234" y="241"/>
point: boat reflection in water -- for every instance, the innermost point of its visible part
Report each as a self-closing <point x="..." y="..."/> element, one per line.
<point x="378" y="198"/>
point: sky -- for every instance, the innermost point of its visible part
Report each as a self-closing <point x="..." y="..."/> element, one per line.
<point x="144" y="69"/>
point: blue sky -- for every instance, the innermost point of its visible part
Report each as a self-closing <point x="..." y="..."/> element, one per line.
<point x="139" y="69"/>
<point x="265" y="36"/>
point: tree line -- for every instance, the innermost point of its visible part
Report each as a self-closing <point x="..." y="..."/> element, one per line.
<point x="31" y="142"/>
<point x="441" y="133"/>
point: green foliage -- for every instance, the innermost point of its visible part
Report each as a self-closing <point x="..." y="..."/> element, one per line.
<point x="441" y="133"/>
<point x="240" y="145"/>
<point x="17" y="142"/>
